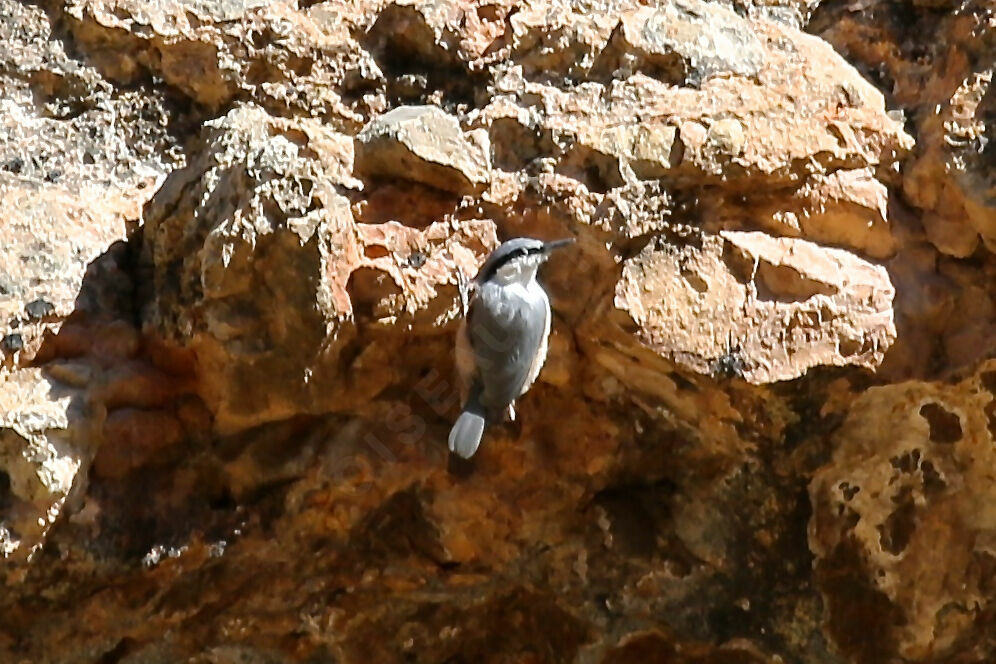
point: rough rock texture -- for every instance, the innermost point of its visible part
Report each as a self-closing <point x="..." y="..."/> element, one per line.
<point x="232" y="241"/>
<point x="911" y="498"/>
<point x="942" y="83"/>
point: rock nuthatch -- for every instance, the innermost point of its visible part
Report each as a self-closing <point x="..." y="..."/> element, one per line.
<point x="502" y="342"/>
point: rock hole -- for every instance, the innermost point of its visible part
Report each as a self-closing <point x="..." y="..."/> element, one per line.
<point x="783" y="283"/>
<point x="260" y="39"/>
<point x="933" y="483"/>
<point x="402" y="42"/>
<point x="988" y="380"/>
<point x="849" y="519"/>
<point x="682" y="382"/>
<point x="597" y="171"/>
<point x="375" y="251"/>
<point x="488" y="13"/>
<point x="836" y="132"/>
<point x="6" y="495"/>
<point x="301" y="140"/>
<point x="848" y="491"/>
<point x="301" y="66"/>
<point x="896" y="532"/>
<point x="273" y="212"/>
<point x="514" y="145"/>
<point x="223" y="501"/>
<point x="907" y="463"/>
<point x="738" y="262"/>
<point x="121" y="650"/>
<point x="694" y="280"/>
<point x="850" y="347"/>
<point x="371" y="292"/>
<point x="637" y="515"/>
<point x="945" y="426"/>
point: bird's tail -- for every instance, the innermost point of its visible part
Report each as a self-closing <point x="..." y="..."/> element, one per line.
<point x="465" y="436"/>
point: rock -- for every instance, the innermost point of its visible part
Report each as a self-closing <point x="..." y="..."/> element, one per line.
<point x="46" y="445"/>
<point x="826" y="180"/>
<point x="276" y="277"/>
<point x="947" y="94"/>
<point x="50" y="238"/>
<point x="212" y="52"/>
<point x="764" y="309"/>
<point x="132" y="438"/>
<point x="794" y="13"/>
<point x="846" y="207"/>
<point x="280" y="240"/>
<point x="684" y="43"/>
<point x="424" y="144"/>
<point x="908" y="495"/>
<point x="763" y="428"/>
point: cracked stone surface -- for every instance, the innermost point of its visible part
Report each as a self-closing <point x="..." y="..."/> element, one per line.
<point x="233" y="240"/>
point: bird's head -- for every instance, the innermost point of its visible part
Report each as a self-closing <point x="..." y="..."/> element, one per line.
<point x="518" y="259"/>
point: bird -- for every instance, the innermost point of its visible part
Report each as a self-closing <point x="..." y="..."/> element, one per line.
<point x="502" y="341"/>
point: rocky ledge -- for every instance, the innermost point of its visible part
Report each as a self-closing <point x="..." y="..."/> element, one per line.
<point x="233" y="235"/>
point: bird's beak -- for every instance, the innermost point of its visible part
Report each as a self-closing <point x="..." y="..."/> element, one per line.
<point x="548" y="247"/>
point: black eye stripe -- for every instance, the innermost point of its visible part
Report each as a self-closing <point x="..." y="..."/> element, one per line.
<point x="495" y="263"/>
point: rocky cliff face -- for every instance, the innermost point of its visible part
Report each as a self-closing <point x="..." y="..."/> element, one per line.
<point x="232" y="236"/>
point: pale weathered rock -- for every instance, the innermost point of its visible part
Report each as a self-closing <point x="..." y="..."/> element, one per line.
<point x="811" y="175"/>
<point x="47" y="441"/>
<point x="424" y="144"/>
<point x="213" y="51"/>
<point x="683" y="42"/>
<point x="49" y="239"/>
<point x="775" y="307"/>
<point x="794" y="13"/>
<point x="78" y="160"/>
<point x="845" y="207"/>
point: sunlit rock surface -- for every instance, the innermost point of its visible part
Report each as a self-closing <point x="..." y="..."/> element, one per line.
<point x="232" y="244"/>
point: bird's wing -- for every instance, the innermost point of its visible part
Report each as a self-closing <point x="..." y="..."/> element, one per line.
<point x="507" y="331"/>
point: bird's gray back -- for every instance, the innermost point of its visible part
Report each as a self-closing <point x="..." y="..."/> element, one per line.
<point x="509" y="325"/>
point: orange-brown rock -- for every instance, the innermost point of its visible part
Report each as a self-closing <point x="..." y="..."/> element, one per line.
<point x="903" y="525"/>
<point x="944" y="86"/>
<point x="230" y="262"/>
